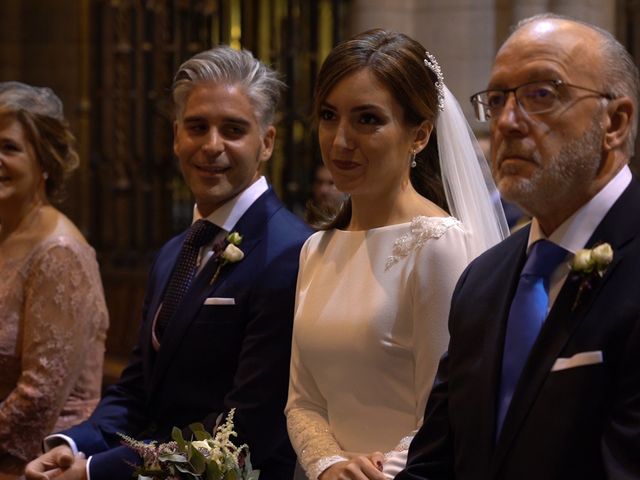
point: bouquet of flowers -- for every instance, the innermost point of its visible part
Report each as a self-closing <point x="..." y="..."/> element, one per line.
<point x="205" y="458"/>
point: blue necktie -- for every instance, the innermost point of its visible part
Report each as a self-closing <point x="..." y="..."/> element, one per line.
<point x="200" y="233"/>
<point x="526" y="316"/>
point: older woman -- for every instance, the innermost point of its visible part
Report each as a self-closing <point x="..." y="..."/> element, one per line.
<point x="52" y="307"/>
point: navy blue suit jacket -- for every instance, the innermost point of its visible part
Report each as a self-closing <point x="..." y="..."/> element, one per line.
<point x="213" y="357"/>
<point x="576" y="423"/>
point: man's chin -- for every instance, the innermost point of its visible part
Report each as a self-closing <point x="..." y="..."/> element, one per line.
<point x="516" y="190"/>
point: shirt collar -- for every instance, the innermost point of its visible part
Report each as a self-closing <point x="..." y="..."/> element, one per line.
<point x="227" y="215"/>
<point x="575" y="231"/>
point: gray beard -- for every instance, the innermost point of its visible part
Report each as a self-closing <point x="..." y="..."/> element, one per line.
<point x="573" y="167"/>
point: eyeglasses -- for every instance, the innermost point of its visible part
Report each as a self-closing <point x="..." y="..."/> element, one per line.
<point x="532" y="97"/>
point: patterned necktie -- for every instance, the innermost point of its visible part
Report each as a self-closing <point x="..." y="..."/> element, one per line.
<point x="200" y="233"/>
<point x="526" y="316"/>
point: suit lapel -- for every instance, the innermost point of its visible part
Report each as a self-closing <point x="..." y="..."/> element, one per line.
<point x="565" y="317"/>
<point x="252" y="227"/>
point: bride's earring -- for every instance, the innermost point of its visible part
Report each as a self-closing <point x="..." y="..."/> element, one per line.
<point x="413" y="159"/>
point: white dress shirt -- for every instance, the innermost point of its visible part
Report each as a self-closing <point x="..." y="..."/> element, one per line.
<point x="575" y="231"/>
<point x="227" y="215"/>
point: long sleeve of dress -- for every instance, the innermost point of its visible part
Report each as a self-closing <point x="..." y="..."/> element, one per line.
<point x="308" y="425"/>
<point x="435" y="275"/>
<point x="306" y="412"/>
<point x="63" y="316"/>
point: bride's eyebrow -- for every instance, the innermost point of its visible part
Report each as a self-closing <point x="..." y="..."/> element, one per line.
<point x="365" y="107"/>
<point x="326" y="104"/>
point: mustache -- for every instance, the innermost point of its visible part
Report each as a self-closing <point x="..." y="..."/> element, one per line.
<point x="510" y="149"/>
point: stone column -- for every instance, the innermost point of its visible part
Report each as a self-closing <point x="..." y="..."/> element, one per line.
<point x="460" y="33"/>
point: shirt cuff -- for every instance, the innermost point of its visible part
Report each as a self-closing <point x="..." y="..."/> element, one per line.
<point x="59" y="439"/>
<point x="87" y="467"/>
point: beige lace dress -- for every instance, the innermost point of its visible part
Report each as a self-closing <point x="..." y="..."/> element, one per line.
<point x="53" y="322"/>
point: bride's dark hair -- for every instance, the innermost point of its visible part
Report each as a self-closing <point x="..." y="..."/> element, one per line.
<point x="397" y="62"/>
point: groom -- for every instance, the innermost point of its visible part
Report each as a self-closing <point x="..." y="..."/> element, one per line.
<point x="218" y="338"/>
<point x="542" y="376"/>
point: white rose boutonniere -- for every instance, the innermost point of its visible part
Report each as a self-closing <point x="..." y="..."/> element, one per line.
<point x="590" y="264"/>
<point x="230" y="254"/>
<point x="592" y="260"/>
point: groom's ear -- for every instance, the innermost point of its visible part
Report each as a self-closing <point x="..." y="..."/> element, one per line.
<point x="421" y="136"/>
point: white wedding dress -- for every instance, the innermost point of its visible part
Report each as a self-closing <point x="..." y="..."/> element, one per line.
<point x="370" y="327"/>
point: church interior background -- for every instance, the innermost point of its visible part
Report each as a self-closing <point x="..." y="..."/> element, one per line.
<point x="111" y="62"/>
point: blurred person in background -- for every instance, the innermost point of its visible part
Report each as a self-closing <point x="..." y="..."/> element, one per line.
<point x="324" y="195"/>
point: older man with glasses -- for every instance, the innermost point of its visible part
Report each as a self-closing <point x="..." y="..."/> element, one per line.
<point x="542" y="377"/>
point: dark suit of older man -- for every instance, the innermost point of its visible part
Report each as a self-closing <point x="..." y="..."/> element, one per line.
<point x="560" y="144"/>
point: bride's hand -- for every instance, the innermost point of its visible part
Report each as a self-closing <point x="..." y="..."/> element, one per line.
<point x="362" y="467"/>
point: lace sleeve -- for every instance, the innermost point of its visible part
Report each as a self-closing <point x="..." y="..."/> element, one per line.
<point x="63" y="309"/>
<point x="307" y="423"/>
<point x="311" y="438"/>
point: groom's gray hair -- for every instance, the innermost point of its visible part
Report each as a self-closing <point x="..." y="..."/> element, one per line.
<point x="225" y="65"/>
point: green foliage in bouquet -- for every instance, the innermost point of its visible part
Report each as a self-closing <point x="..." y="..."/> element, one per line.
<point x="205" y="458"/>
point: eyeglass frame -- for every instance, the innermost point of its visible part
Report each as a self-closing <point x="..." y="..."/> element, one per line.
<point x="556" y="83"/>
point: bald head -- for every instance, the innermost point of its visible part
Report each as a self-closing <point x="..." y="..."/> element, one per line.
<point x="591" y="49"/>
<point x="568" y="117"/>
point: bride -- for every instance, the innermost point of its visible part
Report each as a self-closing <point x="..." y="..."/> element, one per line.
<point x="375" y="283"/>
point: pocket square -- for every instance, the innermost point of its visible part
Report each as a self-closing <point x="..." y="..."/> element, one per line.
<point x="220" y="301"/>
<point x="578" y="360"/>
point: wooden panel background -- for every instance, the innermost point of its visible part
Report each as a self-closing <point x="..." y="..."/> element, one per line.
<point x="111" y="62"/>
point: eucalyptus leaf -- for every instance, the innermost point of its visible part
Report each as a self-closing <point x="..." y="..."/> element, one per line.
<point x="173" y="457"/>
<point x="196" y="427"/>
<point x="202" y="435"/>
<point x="198" y="461"/>
<point x="176" y="435"/>
<point x="253" y="475"/>
<point x="184" y="468"/>
<point x="213" y="471"/>
<point x="247" y="461"/>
